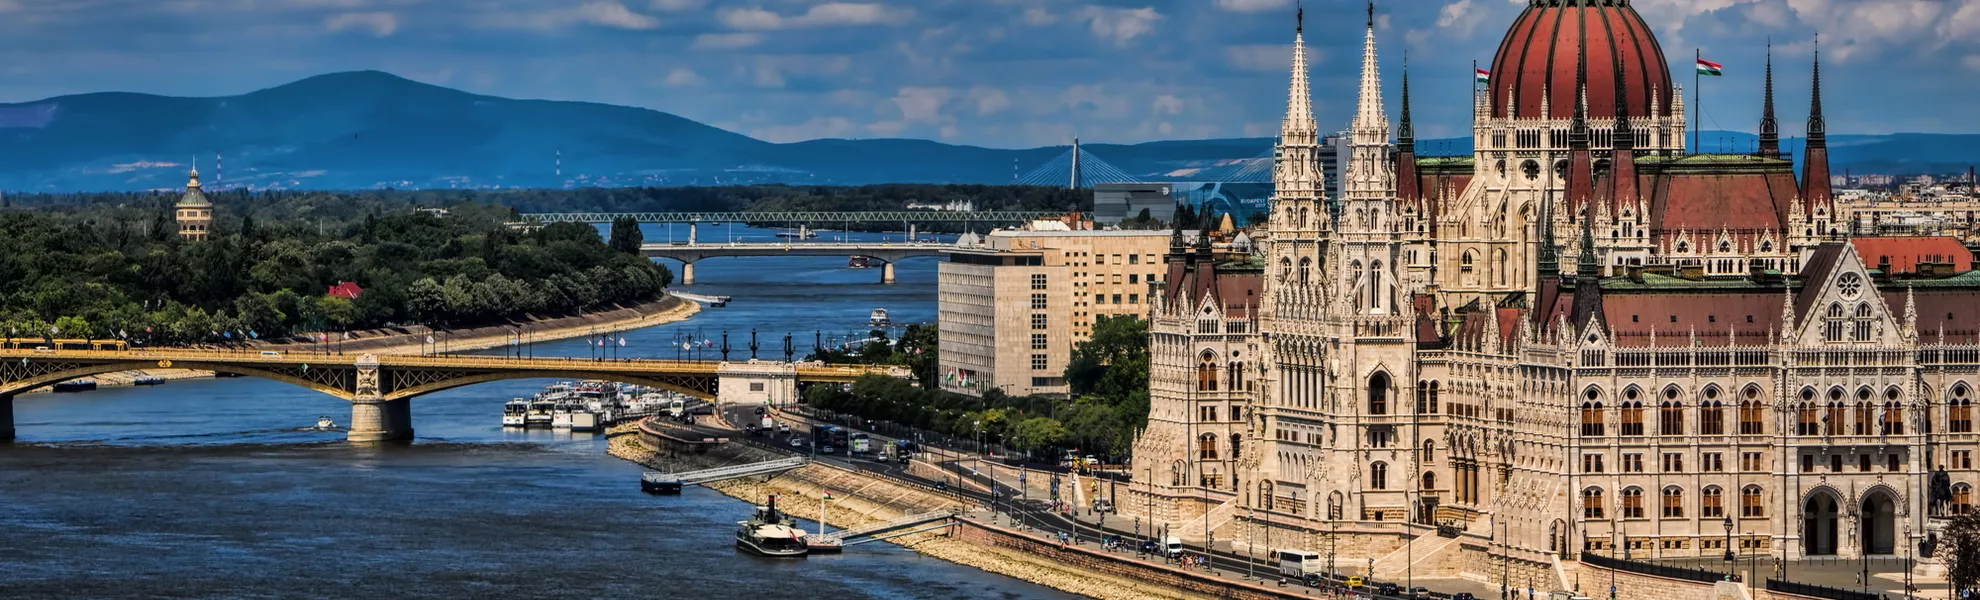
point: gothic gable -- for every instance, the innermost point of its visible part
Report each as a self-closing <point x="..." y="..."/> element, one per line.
<point x="1838" y="305"/>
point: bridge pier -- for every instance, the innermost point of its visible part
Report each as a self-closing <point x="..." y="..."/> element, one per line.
<point x="691" y="232"/>
<point x="887" y="273"/>
<point x="380" y="421"/>
<point x="687" y="273"/>
<point x="6" y="418"/>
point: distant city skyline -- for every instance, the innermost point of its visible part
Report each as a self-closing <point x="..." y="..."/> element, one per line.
<point x="998" y="73"/>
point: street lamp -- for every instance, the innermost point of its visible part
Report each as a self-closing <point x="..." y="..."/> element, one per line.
<point x="1729" y="540"/>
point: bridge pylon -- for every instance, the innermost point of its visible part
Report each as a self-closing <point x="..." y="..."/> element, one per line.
<point x="373" y="418"/>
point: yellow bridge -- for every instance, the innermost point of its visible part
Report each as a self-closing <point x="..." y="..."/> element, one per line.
<point x="380" y="386"/>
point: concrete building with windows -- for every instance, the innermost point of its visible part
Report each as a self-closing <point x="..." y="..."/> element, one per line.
<point x="1716" y="368"/>
<point x="1015" y="302"/>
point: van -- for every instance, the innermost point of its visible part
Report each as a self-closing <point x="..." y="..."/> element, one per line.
<point x="1298" y="563"/>
<point x="270" y="354"/>
<point x="1172" y="546"/>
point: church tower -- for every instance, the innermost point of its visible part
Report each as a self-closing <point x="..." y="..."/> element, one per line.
<point x="194" y="211"/>
<point x="1300" y="221"/>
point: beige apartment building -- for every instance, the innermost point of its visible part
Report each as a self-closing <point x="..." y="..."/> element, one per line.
<point x="1014" y="303"/>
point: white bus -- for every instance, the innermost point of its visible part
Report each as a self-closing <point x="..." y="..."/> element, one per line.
<point x="1298" y="563"/>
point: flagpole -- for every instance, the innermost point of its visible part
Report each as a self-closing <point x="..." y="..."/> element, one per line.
<point x="1699" y="55"/>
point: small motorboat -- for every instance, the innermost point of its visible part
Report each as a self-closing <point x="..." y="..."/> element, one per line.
<point x="324" y="423"/>
<point x="770" y="533"/>
<point x="878" y="318"/>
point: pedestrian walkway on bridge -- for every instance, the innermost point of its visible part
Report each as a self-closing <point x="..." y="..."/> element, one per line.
<point x="658" y="482"/>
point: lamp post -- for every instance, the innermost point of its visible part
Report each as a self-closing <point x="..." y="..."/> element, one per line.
<point x="1729" y="545"/>
<point x="1250" y="549"/>
<point x="1907" y="560"/>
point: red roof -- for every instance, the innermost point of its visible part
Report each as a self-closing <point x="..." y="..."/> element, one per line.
<point x="1676" y="316"/>
<point x="1540" y="49"/>
<point x="346" y="290"/>
<point x="1902" y="254"/>
<point x="1737" y="201"/>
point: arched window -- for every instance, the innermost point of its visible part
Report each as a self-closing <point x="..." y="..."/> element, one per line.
<point x="1429" y="451"/>
<point x="1751" y="420"/>
<point x="1837" y="414"/>
<point x="1632" y="418"/>
<point x="1429" y="481"/>
<point x="1305" y="268"/>
<point x="1893" y="423"/>
<point x="1422" y="397"/>
<point x="1375" y="296"/>
<point x="1206" y="446"/>
<point x="1670" y="418"/>
<point x="1711" y="503"/>
<point x="1832" y="327"/>
<point x="1285" y="268"/>
<point x="1863" y="412"/>
<point x="1711" y="418"/>
<point x="1433" y="397"/>
<point x="1749" y="502"/>
<point x="1673" y="503"/>
<point x="1302" y="217"/>
<point x="1591" y="503"/>
<point x="1206" y="372"/>
<point x="1632" y="503"/>
<point x="1378" y="476"/>
<point x="1960" y="408"/>
<point x="1962" y="500"/>
<point x="1862" y="333"/>
<point x="1235" y="440"/>
<point x="1591" y="418"/>
<point x="1806" y="422"/>
<point x="1378" y="394"/>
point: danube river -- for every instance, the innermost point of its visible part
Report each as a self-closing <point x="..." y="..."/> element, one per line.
<point x="222" y="488"/>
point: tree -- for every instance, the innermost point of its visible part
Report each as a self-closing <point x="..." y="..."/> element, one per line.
<point x="1038" y="434"/>
<point x="1960" y="548"/>
<point x="626" y="236"/>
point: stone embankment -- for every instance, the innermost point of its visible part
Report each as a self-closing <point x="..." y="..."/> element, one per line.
<point x="861" y="498"/>
<point x="412" y="340"/>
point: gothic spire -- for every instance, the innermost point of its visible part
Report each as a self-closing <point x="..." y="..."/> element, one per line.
<point x="1581" y="166"/>
<point x="1369" y="119"/>
<point x="1588" y="267"/>
<point x="1550" y="260"/>
<point x="1816" y="195"/>
<point x="1405" y="133"/>
<point x="1770" y="130"/>
<point x="1299" y="99"/>
<point x="1818" y="129"/>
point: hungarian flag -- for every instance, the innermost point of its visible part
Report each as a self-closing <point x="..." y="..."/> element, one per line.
<point x="1709" y="68"/>
<point x="827" y="496"/>
<point x="1483" y="76"/>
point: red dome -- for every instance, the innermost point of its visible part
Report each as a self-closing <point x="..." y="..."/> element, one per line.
<point x="1539" y="55"/>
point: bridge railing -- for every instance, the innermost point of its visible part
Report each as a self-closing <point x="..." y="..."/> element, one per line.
<point x="298" y="356"/>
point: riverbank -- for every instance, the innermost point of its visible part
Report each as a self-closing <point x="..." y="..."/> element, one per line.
<point x="412" y="340"/>
<point x="860" y="498"/>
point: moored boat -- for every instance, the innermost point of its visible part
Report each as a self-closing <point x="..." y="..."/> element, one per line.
<point x="75" y="385"/>
<point x="770" y="533"/>
<point x="515" y="413"/>
<point x="879" y="318"/>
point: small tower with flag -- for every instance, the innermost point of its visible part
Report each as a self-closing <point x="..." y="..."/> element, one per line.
<point x="193" y="211"/>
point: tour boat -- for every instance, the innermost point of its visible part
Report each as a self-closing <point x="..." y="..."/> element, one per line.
<point x="75" y="385"/>
<point x="770" y="533"/>
<point x="515" y="413"/>
<point x="324" y="423"/>
<point x="148" y="380"/>
<point x="878" y="318"/>
<point x="539" y="412"/>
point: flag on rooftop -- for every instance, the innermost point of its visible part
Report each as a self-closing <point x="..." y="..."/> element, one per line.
<point x="1709" y="68"/>
<point x="1483" y="76"/>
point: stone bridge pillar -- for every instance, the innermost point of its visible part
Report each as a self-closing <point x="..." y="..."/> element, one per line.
<point x="6" y="418"/>
<point x="756" y="382"/>
<point x="887" y="272"/>
<point x="687" y="273"/>
<point x="374" y="419"/>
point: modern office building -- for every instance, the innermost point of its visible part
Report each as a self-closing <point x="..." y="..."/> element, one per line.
<point x="1014" y="303"/>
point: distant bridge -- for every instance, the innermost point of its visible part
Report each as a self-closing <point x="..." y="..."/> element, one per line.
<point x="885" y="252"/>
<point x="380" y="387"/>
<point x="882" y="216"/>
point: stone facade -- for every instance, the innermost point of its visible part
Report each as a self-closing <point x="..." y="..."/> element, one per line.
<point x="1419" y="354"/>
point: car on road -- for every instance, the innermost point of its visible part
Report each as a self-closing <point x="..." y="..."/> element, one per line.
<point x="1419" y="592"/>
<point x="1314" y="580"/>
<point x="942" y="485"/>
<point x="882" y="457"/>
<point x="1388" y="589"/>
<point x="797" y="442"/>
<point x="828" y="449"/>
<point x="1463" y="596"/>
<point x="1103" y="505"/>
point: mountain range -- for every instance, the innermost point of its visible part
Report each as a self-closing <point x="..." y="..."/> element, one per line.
<point x="368" y="129"/>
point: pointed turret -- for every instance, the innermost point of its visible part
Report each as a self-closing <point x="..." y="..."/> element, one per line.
<point x="1406" y="184"/>
<point x="1815" y="192"/>
<point x="1588" y="282"/>
<point x="1368" y="175"/>
<point x="1581" y="166"/>
<point x="1622" y="154"/>
<point x="1770" y="130"/>
<point x="1296" y="168"/>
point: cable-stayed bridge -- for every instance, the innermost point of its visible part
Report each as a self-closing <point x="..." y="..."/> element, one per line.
<point x="1079" y="168"/>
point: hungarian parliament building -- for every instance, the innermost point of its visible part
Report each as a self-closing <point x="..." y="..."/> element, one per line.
<point x="1579" y="337"/>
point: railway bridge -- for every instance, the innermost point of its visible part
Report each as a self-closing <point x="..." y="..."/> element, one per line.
<point x="887" y="253"/>
<point x="380" y="387"/>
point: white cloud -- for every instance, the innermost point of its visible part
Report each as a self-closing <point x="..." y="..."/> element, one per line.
<point x="677" y="5"/>
<point x="683" y="78"/>
<point x="380" y="24"/>
<point x="1120" y="25"/>
<point x="1038" y="16"/>
<point x="830" y="14"/>
<point x="725" y="41"/>
<point x="602" y="13"/>
<point x="1095" y="99"/>
<point x="1459" y="19"/>
<point x="989" y="100"/>
<point x="921" y="104"/>
<point x="1252" y="6"/>
<point x="1167" y="104"/>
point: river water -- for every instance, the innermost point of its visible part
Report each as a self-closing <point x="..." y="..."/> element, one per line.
<point x="223" y="489"/>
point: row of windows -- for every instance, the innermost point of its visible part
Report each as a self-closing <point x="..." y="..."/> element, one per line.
<point x="1673" y="462"/>
<point x="1711" y="503"/>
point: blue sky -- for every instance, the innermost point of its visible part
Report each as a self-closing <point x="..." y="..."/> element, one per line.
<point x="1000" y="73"/>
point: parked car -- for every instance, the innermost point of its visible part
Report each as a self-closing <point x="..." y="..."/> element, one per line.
<point x="1388" y="589"/>
<point x="1463" y="596"/>
<point x="1314" y="580"/>
<point x="1103" y="505"/>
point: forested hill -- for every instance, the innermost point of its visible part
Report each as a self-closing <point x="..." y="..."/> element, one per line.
<point x="107" y="269"/>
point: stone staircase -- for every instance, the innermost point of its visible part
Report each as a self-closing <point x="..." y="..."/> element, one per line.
<point x="1219" y="516"/>
<point x="1429" y="555"/>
